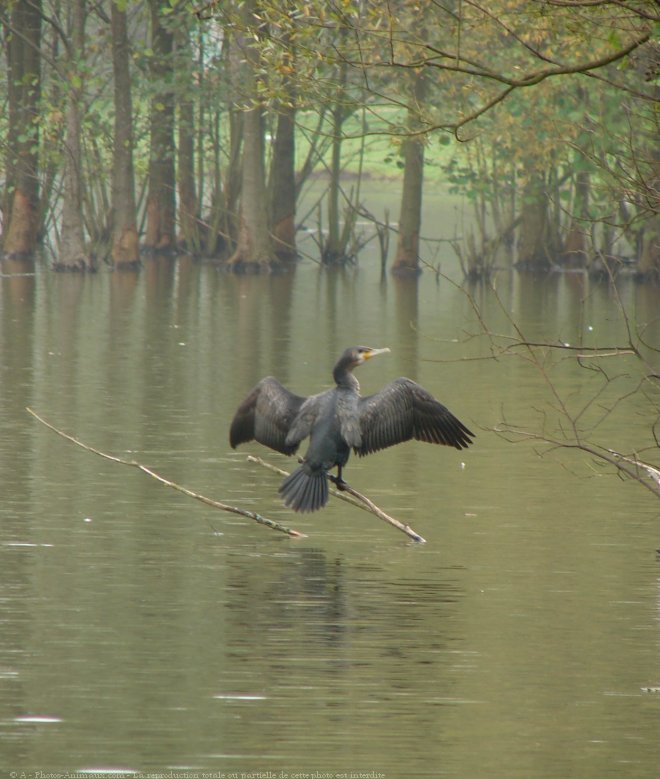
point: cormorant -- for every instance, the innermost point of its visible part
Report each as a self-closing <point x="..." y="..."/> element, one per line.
<point x="337" y="421"/>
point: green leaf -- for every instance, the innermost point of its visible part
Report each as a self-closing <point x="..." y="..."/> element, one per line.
<point x="614" y="39"/>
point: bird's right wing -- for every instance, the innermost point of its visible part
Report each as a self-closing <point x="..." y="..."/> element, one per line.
<point x="266" y="415"/>
<point x="403" y="410"/>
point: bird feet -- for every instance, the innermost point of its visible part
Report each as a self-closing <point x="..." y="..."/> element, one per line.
<point x="339" y="483"/>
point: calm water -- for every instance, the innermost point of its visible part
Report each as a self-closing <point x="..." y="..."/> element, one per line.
<point x="144" y="631"/>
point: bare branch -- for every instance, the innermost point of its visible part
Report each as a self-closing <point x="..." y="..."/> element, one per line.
<point x="645" y="474"/>
<point x="638" y="9"/>
<point x="355" y="499"/>
<point x="149" y="472"/>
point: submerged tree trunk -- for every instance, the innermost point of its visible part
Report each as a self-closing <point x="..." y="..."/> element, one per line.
<point x="649" y="261"/>
<point x="125" y="252"/>
<point x="21" y="204"/>
<point x="189" y="236"/>
<point x="188" y="214"/>
<point x="533" y="248"/>
<point x="160" y="231"/>
<point x="334" y="249"/>
<point x="406" y="260"/>
<point x="254" y="247"/>
<point x="282" y="190"/>
<point x="72" y="255"/>
<point x="575" y="250"/>
<point x="282" y="180"/>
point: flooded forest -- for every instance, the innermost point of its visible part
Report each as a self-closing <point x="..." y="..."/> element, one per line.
<point x="152" y="128"/>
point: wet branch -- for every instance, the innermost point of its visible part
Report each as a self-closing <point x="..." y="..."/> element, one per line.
<point x="202" y="498"/>
<point x="355" y="498"/>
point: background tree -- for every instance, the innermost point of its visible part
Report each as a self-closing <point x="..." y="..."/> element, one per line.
<point x="282" y="184"/>
<point x="254" y="246"/>
<point x="406" y="260"/>
<point x="125" y="251"/>
<point x="160" y="230"/>
<point x="555" y="112"/>
<point x="22" y="216"/>
<point x="188" y="206"/>
<point x="72" y="253"/>
<point x="282" y="177"/>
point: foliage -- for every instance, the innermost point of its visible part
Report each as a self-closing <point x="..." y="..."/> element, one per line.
<point x="515" y="89"/>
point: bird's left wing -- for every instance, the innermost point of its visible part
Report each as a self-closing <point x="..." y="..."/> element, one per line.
<point x="403" y="410"/>
<point x="266" y="416"/>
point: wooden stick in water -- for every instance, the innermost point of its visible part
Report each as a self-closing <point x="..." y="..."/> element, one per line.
<point x="354" y="498"/>
<point x="202" y="498"/>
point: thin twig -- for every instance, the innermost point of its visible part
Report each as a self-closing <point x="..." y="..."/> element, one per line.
<point x="625" y="465"/>
<point x="149" y="472"/>
<point x="355" y="498"/>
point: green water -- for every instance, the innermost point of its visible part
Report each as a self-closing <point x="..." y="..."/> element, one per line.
<point x="145" y="632"/>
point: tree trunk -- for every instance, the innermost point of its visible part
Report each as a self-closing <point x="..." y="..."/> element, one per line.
<point x="282" y="190"/>
<point x="72" y="253"/>
<point x="334" y="250"/>
<point x="189" y="236"/>
<point x="574" y="254"/>
<point x="649" y="261"/>
<point x="533" y="249"/>
<point x="160" y="231"/>
<point x="406" y="259"/>
<point x="125" y="245"/>
<point x="24" y="85"/>
<point x="254" y="248"/>
<point x="221" y="227"/>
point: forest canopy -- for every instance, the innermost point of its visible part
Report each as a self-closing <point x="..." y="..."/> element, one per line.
<point x="164" y="127"/>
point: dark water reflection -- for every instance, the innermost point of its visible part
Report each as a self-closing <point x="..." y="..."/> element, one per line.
<point x="516" y="643"/>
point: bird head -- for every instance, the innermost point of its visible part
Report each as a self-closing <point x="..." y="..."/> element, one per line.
<point x="357" y="355"/>
<point x="351" y="358"/>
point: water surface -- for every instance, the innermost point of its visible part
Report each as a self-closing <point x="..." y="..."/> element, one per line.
<point x="144" y="631"/>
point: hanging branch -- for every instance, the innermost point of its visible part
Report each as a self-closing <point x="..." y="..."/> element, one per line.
<point x="355" y="499"/>
<point x="202" y="498"/>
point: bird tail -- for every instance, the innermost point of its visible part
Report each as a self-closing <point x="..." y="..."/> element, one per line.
<point x="304" y="489"/>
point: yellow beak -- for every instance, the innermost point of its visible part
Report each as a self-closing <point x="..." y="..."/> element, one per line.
<point x="374" y="352"/>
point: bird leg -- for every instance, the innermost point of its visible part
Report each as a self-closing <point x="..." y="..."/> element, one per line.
<point x="337" y="480"/>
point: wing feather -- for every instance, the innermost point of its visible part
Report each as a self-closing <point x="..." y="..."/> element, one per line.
<point x="403" y="410"/>
<point x="266" y="415"/>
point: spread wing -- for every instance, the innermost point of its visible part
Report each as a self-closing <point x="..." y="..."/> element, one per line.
<point x="403" y="410"/>
<point x="266" y="415"/>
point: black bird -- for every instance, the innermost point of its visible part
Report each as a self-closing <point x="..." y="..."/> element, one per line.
<point x="337" y="421"/>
